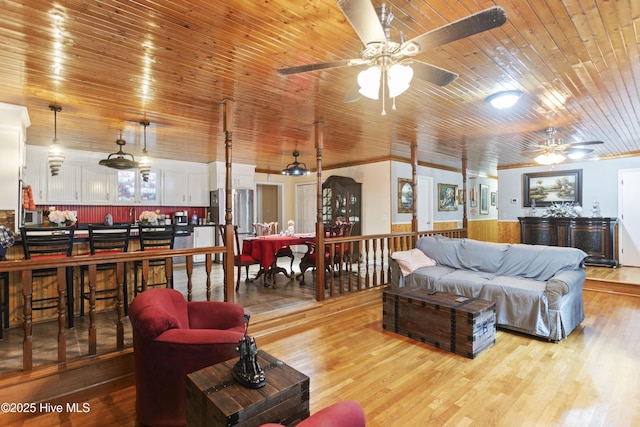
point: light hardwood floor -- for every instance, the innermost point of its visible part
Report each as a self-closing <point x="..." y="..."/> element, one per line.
<point x="590" y="379"/>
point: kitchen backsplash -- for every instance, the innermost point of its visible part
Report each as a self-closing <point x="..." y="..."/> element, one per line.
<point x="96" y="214"/>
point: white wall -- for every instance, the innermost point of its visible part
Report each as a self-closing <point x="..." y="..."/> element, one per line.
<point x="599" y="182"/>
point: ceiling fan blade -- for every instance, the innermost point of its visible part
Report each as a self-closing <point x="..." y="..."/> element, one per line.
<point x="320" y="66"/>
<point x="580" y="144"/>
<point x="465" y="27"/>
<point x="431" y="73"/>
<point x="354" y="94"/>
<point x="363" y="18"/>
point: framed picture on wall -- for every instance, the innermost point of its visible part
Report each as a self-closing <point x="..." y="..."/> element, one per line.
<point x="447" y="197"/>
<point x="473" y="196"/>
<point x="484" y="199"/>
<point x="460" y="197"/>
<point x="552" y="187"/>
<point x="493" y="198"/>
<point x="405" y="195"/>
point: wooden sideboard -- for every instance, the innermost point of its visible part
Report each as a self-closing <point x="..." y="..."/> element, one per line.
<point x="596" y="236"/>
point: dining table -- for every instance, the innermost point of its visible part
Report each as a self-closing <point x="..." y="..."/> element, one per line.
<point x="264" y="249"/>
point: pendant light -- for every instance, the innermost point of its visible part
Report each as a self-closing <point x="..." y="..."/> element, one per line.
<point x="144" y="165"/>
<point x="119" y="160"/>
<point x="295" y="168"/>
<point x="55" y="157"/>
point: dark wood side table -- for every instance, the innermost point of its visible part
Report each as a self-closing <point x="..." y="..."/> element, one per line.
<point x="214" y="398"/>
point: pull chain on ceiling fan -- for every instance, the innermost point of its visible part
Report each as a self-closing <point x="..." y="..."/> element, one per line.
<point x="391" y="64"/>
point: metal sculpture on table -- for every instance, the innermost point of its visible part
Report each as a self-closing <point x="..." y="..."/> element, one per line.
<point x="247" y="371"/>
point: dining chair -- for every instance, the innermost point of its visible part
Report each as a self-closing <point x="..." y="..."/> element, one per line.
<point x="47" y="243"/>
<point x="107" y="240"/>
<point x="154" y="238"/>
<point x="239" y="259"/>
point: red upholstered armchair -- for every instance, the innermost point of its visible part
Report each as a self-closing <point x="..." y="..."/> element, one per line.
<point x="172" y="338"/>
<point x="347" y="413"/>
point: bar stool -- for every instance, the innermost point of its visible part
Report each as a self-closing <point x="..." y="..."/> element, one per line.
<point x="47" y="243"/>
<point x="155" y="237"/>
<point x="107" y="240"/>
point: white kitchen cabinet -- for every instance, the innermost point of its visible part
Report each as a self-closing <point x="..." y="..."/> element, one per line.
<point x="184" y="189"/>
<point x="198" y="189"/>
<point x="203" y="237"/>
<point x="132" y="190"/>
<point x="174" y="188"/>
<point x="65" y="188"/>
<point x="35" y="175"/>
<point x="238" y="180"/>
<point x="98" y="185"/>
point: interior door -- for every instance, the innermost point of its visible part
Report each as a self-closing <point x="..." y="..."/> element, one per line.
<point x="629" y="218"/>
<point x="424" y="203"/>
<point x="306" y="208"/>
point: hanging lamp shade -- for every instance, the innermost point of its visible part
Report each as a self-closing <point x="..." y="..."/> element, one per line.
<point x="144" y="165"/>
<point x="296" y="168"/>
<point x="55" y="156"/>
<point x="119" y="160"/>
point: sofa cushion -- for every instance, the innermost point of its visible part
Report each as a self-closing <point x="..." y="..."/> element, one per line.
<point x="482" y="256"/>
<point x="411" y="260"/>
<point x="540" y="262"/>
<point x="444" y="250"/>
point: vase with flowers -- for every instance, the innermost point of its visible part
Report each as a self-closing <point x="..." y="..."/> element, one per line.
<point x="61" y="218"/>
<point x="149" y="218"/>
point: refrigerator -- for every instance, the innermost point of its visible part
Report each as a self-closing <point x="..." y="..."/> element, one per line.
<point x="242" y="210"/>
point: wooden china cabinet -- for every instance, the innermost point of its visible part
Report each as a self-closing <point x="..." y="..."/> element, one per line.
<point x="342" y="200"/>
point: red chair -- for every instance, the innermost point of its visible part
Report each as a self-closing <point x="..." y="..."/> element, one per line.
<point x="173" y="338"/>
<point x="239" y="259"/>
<point x="347" y="413"/>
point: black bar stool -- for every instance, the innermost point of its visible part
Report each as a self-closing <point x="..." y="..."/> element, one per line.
<point x="8" y="239"/>
<point x="47" y="243"/>
<point x="107" y="240"/>
<point x="155" y="237"/>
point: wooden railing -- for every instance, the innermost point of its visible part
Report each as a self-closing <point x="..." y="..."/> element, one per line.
<point x="358" y="263"/>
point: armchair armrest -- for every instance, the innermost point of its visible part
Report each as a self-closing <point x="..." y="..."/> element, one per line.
<point x="215" y="315"/>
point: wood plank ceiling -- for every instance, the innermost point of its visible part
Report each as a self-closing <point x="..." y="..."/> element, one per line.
<point x="112" y="63"/>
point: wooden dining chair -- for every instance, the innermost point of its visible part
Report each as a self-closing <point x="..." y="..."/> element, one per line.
<point x="155" y="237"/>
<point x="47" y="243"/>
<point x="107" y="240"/>
<point x="239" y="259"/>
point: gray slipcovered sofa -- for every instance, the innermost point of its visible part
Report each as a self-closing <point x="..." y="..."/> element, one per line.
<point x="537" y="289"/>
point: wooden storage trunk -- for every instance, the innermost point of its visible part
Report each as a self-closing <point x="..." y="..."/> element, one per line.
<point x="214" y="398"/>
<point x="450" y="322"/>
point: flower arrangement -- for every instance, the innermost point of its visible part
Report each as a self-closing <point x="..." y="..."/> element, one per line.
<point x="149" y="218"/>
<point x="290" y="228"/>
<point x="61" y="218"/>
<point x="564" y="210"/>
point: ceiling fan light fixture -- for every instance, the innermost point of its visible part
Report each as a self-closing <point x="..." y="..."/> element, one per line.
<point x="549" y="158"/>
<point x="369" y="82"/>
<point x="119" y="160"/>
<point x="505" y="99"/>
<point x="399" y="79"/>
<point x="296" y="168"/>
<point x="55" y="156"/>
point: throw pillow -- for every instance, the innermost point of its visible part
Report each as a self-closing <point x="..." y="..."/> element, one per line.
<point x="411" y="260"/>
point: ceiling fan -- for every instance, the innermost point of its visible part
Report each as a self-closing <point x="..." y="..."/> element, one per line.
<point x="553" y="150"/>
<point x="392" y="62"/>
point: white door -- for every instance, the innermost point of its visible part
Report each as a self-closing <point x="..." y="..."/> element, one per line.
<point x="305" y="208"/>
<point x="424" y="203"/>
<point x="629" y="217"/>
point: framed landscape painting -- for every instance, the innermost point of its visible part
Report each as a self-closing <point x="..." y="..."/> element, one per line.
<point x="447" y="197"/>
<point x="546" y="188"/>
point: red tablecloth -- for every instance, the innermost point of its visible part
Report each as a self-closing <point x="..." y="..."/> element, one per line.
<point x="264" y="248"/>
